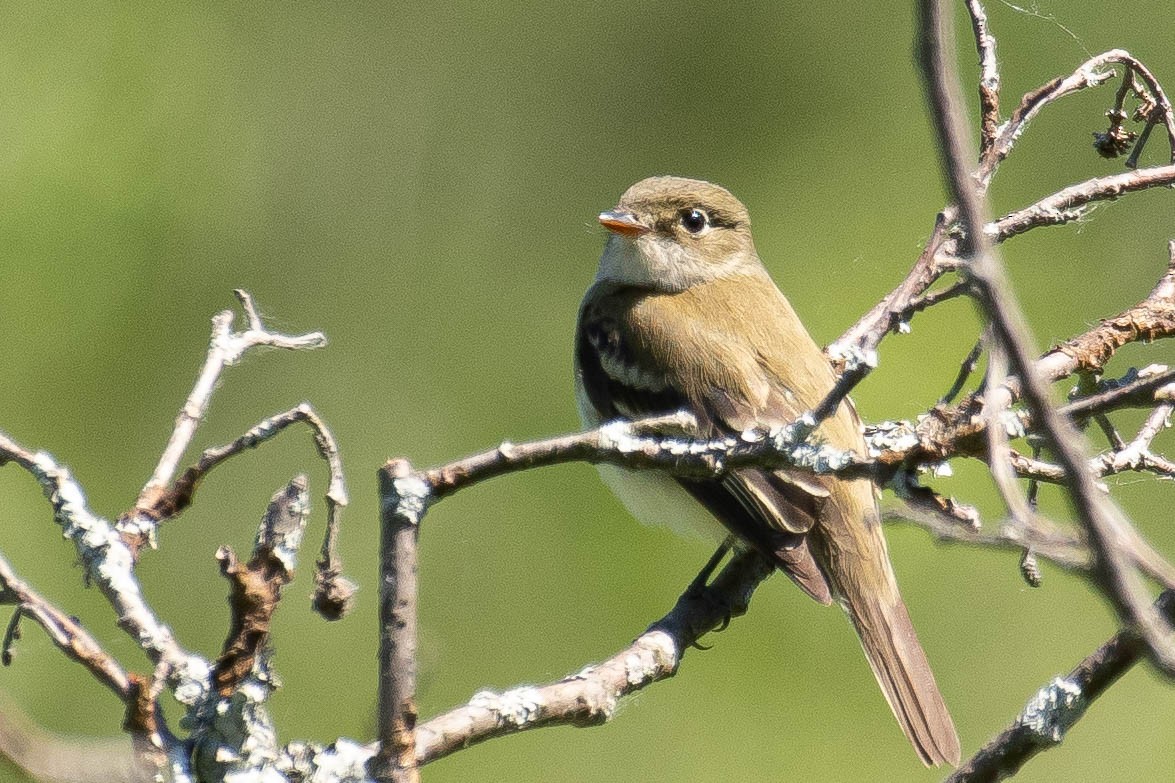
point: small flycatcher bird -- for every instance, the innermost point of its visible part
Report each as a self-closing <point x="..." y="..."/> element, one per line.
<point x="683" y="316"/>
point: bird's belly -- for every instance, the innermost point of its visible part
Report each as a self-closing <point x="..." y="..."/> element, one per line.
<point x="655" y="498"/>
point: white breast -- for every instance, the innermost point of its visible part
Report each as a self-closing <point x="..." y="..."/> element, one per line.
<point x="651" y="496"/>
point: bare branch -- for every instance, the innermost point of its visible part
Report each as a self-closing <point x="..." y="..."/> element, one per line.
<point x="591" y="696"/>
<point x="334" y="594"/>
<point x="226" y="348"/>
<point x="396" y="761"/>
<point x="999" y="429"/>
<point x="1045" y="538"/>
<point x="1139" y="389"/>
<point x="1151" y="319"/>
<point x="1091" y="73"/>
<point x="989" y="76"/>
<point x="64" y="631"/>
<point x="1107" y="527"/>
<point x="1066" y="205"/>
<point x="1056" y="707"/>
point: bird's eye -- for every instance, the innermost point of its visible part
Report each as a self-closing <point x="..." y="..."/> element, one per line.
<point x="694" y="220"/>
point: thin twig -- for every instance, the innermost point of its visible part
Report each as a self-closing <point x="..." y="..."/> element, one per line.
<point x="989" y="76"/>
<point x="1143" y="391"/>
<point x="1151" y="319"/>
<point x="1047" y="539"/>
<point x="64" y="631"/>
<point x="226" y="348"/>
<point x="334" y="594"/>
<point x="1091" y="73"/>
<point x="997" y="441"/>
<point x="1103" y="521"/>
<point x="966" y="368"/>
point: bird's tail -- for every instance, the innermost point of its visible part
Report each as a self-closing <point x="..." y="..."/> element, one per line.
<point x="902" y="671"/>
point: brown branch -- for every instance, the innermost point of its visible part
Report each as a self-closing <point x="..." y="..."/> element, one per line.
<point x="142" y="717"/>
<point x="170" y="502"/>
<point x="591" y="696"/>
<point x="399" y="493"/>
<point x="1151" y="319"/>
<point x="1066" y="204"/>
<point x="256" y="586"/>
<point x="334" y="594"/>
<point x="1058" y="706"/>
<point x="64" y="631"/>
<point x="1107" y="528"/>
<point x="1162" y="111"/>
<point x="989" y="76"/>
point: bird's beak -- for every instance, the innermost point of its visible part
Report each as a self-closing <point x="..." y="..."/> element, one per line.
<point x="623" y="223"/>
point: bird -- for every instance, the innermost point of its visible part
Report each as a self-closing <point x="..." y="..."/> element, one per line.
<point x="683" y="316"/>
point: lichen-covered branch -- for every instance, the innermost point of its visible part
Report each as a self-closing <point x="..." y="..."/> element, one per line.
<point x="66" y="633"/>
<point x="591" y="696"/>
<point x="1057" y="706"/>
<point x="109" y="566"/>
<point x="256" y="586"/>
<point x="233" y="736"/>
<point x="229" y="729"/>
<point x="402" y="505"/>
<point x="1109" y="531"/>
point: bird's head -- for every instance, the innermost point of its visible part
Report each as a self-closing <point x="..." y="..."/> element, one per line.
<point x="671" y="233"/>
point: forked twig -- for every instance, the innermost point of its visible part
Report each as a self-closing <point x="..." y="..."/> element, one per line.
<point x="226" y="348"/>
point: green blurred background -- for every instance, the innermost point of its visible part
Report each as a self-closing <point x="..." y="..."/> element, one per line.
<point x="420" y="182"/>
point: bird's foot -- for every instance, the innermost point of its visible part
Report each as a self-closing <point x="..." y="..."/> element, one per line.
<point x="699" y="589"/>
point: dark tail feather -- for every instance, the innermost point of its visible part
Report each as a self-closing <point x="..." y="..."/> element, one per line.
<point x="904" y="674"/>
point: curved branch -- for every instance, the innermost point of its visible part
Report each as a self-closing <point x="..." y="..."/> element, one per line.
<point x="1067" y="205"/>
<point x="1088" y="74"/>
<point x="1107" y="527"/>
<point x="591" y="696"/>
<point x="226" y="348"/>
